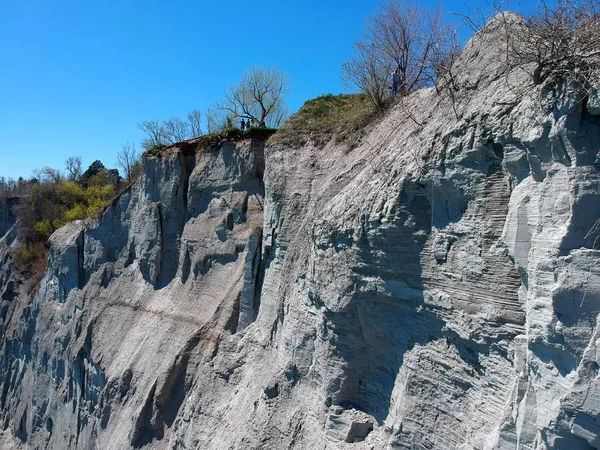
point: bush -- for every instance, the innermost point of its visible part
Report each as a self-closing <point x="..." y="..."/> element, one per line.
<point x="30" y="257"/>
<point x="50" y="206"/>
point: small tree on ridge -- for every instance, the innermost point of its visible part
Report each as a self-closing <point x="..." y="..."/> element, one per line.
<point x="258" y="96"/>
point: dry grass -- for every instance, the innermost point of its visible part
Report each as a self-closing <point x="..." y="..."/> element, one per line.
<point x="341" y="117"/>
<point x="208" y="141"/>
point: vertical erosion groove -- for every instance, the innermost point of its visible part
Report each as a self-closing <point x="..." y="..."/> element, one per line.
<point x="81" y="260"/>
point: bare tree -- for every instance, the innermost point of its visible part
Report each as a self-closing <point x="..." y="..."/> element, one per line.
<point x="401" y="35"/>
<point x="442" y="61"/>
<point x="561" y="41"/>
<point x="73" y="167"/>
<point x="195" y="122"/>
<point x="368" y="72"/>
<point x="48" y="174"/>
<point x="155" y="134"/>
<point x="556" y="41"/>
<point x="5" y="187"/>
<point x="176" y="130"/>
<point x="258" y="96"/>
<point x="218" y="119"/>
<point x="128" y="159"/>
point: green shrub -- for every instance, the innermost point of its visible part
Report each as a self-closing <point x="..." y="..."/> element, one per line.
<point x="49" y="206"/>
<point x="30" y="257"/>
<point x="52" y="205"/>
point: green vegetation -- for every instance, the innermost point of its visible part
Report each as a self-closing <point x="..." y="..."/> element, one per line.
<point x="51" y="200"/>
<point x="343" y="117"/>
<point x="49" y="206"/>
<point x="31" y="257"/>
<point x="206" y="141"/>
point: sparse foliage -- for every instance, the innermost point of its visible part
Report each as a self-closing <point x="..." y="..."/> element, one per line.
<point x="74" y="167"/>
<point x="367" y="72"/>
<point x="128" y="159"/>
<point x="8" y="187"/>
<point x="48" y="174"/>
<point x="258" y="96"/>
<point x="561" y="42"/>
<point x="400" y="35"/>
<point x="195" y="122"/>
<point x="171" y="131"/>
<point x="218" y="120"/>
<point x="155" y="134"/>
<point x="556" y="41"/>
<point x="176" y="130"/>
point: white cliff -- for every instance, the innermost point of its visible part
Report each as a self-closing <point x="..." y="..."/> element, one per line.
<point x="437" y="286"/>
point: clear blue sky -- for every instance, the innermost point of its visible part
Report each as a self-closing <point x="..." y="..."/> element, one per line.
<point x="76" y="76"/>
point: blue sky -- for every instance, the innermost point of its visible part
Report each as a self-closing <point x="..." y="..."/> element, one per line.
<point x="76" y="76"/>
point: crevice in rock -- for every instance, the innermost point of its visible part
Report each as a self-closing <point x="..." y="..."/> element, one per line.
<point x="244" y="209"/>
<point x="81" y="280"/>
<point x="165" y="399"/>
<point x="185" y="178"/>
<point x="22" y="429"/>
<point x="171" y="395"/>
<point x="211" y="260"/>
<point x="173" y="218"/>
<point x="186" y="266"/>
<point x="131" y="256"/>
<point x="49" y="425"/>
<point x="258" y="268"/>
<point x="495" y="163"/>
<point x="249" y="303"/>
<point x="142" y="432"/>
<point x="565" y="153"/>
<point x="232" y="322"/>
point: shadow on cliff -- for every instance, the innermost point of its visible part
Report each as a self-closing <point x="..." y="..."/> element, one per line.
<point x="382" y="325"/>
<point x="384" y="322"/>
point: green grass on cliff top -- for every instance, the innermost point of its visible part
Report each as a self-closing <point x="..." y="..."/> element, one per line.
<point x="340" y="117"/>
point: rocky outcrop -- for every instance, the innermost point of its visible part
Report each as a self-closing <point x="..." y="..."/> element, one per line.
<point x="436" y="286"/>
<point x="134" y="300"/>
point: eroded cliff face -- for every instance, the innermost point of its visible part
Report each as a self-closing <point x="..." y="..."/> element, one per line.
<point x="434" y="287"/>
<point x="7" y="215"/>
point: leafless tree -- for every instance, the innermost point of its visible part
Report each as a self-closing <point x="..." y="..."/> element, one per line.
<point x="561" y="41"/>
<point x="555" y="41"/>
<point x="155" y="134"/>
<point x="442" y="70"/>
<point x="367" y="71"/>
<point x="128" y="159"/>
<point x="176" y="130"/>
<point x="73" y="167"/>
<point x="195" y="122"/>
<point x="48" y="174"/>
<point x="400" y="35"/>
<point x="218" y="119"/>
<point x="5" y="187"/>
<point x="475" y="17"/>
<point x="258" y="96"/>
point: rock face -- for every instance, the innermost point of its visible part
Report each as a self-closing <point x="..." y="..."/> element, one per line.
<point x="437" y="286"/>
<point x="7" y="216"/>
